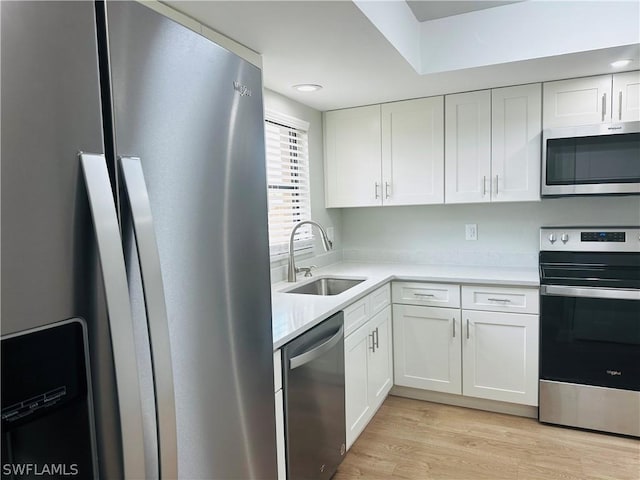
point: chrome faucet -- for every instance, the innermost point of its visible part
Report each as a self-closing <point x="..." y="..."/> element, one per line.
<point x="326" y="243"/>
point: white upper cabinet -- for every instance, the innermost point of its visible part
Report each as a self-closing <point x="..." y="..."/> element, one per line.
<point x="492" y="141"/>
<point x="578" y="101"/>
<point x="413" y="152"/>
<point x="352" y="157"/>
<point x="516" y="126"/>
<point x="626" y="97"/>
<point x="468" y="147"/>
<point x="592" y="100"/>
<point x="391" y="154"/>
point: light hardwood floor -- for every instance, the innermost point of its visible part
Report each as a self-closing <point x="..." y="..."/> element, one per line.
<point x="412" y="439"/>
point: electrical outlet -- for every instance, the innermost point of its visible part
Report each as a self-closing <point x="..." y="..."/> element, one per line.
<point x="471" y="231"/>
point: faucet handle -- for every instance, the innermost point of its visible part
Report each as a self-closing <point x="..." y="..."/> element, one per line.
<point x="306" y="270"/>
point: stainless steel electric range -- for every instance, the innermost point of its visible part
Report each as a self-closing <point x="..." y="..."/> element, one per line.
<point x="590" y="328"/>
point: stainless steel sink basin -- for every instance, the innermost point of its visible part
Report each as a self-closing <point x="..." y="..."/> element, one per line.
<point x="326" y="286"/>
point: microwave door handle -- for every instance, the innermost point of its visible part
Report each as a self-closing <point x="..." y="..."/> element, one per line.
<point x="589" y="292"/>
<point x="137" y="196"/>
<point x="111" y="257"/>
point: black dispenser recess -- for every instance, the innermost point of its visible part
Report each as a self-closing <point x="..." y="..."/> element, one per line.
<point x="47" y="418"/>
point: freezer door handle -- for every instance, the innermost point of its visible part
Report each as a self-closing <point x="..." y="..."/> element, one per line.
<point x="137" y="197"/>
<point x="109" y="242"/>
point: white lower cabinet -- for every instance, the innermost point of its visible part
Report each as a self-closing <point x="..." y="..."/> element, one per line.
<point x="356" y="379"/>
<point x="426" y="346"/>
<point x="500" y="356"/>
<point x="280" y="448"/>
<point x="380" y="361"/>
<point x="487" y="349"/>
<point x="368" y="371"/>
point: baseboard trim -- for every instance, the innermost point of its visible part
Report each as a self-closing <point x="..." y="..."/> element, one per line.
<point x="468" y="402"/>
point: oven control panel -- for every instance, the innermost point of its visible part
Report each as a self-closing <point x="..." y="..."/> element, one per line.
<point x="603" y="236"/>
<point x="590" y="239"/>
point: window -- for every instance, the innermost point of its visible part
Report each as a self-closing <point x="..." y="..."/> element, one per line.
<point x="287" y="182"/>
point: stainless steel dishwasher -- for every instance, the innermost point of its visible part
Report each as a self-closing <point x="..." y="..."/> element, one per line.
<point x="313" y="373"/>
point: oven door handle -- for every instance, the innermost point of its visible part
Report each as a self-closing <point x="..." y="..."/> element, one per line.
<point x="587" y="292"/>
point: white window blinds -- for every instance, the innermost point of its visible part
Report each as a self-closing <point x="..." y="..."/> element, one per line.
<point x="288" y="183"/>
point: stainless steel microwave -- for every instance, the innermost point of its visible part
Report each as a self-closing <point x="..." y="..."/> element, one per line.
<point x="591" y="160"/>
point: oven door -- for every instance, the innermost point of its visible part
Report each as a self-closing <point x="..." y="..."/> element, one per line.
<point x="600" y="159"/>
<point x="590" y="336"/>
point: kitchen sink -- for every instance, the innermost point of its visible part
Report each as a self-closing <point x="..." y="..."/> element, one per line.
<point x="326" y="286"/>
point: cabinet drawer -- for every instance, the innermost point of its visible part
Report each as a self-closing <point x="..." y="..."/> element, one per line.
<point x="277" y="371"/>
<point x="500" y="299"/>
<point x="356" y="314"/>
<point x="431" y="294"/>
<point x="380" y="298"/>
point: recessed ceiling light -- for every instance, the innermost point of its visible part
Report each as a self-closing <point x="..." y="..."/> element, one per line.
<point x="307" y="87"/>
<point x="620" y="63"/>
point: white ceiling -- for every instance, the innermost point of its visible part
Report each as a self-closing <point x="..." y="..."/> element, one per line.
<point x="432" y="9"/>
<point x="333" y="44"/>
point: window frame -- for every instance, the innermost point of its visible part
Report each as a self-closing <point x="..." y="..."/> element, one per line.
<point x="305" y="242"/>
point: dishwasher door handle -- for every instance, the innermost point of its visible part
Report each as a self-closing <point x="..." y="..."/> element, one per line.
<point x="316" y="352"/>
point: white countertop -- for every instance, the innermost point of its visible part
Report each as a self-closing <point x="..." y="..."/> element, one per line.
<point x="293" y="314"/>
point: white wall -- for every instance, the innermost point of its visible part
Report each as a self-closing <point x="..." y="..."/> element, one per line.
<point x="507" y="233"/>
<point x="326" y="218"/>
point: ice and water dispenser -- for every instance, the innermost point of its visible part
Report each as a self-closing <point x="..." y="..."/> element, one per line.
<point x="47" y="418"/>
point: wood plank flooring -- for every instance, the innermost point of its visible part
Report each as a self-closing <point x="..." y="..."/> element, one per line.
<point x="412" y="439"/>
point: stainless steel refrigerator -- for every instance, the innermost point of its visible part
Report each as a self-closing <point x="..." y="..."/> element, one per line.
<point x="134" y="209"/>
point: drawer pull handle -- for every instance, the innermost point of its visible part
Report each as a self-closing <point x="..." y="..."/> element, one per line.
<point x="424" y="294"/>
<point x="504" y="300"/>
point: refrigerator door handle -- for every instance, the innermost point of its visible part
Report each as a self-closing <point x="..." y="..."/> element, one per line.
<point x="153" y="289"/>
<point x="111" y="256"/>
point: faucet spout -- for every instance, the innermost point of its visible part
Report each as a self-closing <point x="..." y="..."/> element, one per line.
<point x="326" y="243"/>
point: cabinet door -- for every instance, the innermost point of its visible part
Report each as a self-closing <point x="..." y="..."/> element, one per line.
<point x="427" y="348"/>
<point x="500" y="356"/>
<point x="626" y="97"/>
<point x="356" y="379"/>
<point x="413" y="152"/>
<point x="579" y="101"/>
<point x="468" y="147"/>
<point x="280" y="442"/>
<point x="516" y="126"/>
<point x="352" y="157"/>
<point x="380" y="358"/>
